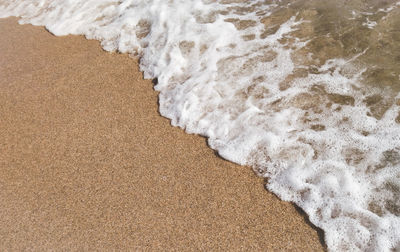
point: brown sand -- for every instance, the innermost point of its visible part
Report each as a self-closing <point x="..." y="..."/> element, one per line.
<point x="86" y="162"/>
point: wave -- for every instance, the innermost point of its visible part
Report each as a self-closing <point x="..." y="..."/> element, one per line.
<point x="305" y="92"/>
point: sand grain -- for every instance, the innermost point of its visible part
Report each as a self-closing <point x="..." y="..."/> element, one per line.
<point x="86" y="162"/>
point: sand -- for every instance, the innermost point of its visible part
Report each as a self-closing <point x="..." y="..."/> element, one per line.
<point x="87" y="162"/>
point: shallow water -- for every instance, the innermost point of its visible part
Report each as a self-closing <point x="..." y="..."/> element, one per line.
<point x="306" y="92"/>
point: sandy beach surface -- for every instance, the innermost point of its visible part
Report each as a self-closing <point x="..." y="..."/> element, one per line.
<point x="87" y="162"/>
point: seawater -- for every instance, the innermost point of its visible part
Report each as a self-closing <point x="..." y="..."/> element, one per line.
<point x="304" y="91"/>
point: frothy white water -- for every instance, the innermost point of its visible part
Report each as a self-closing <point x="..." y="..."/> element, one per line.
<point x="230" y="71"/>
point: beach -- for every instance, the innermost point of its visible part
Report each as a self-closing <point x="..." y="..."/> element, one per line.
<point x="87" y="162"/>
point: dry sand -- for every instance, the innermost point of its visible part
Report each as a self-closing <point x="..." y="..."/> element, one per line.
<point x="87" y="163"/>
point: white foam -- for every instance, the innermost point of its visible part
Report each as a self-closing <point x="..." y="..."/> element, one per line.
<point x="209" y="82"/>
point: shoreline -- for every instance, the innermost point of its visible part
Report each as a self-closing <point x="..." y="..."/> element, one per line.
<point x="88" y="162"/>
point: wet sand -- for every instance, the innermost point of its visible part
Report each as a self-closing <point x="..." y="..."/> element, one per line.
<point x="87" y="162"/>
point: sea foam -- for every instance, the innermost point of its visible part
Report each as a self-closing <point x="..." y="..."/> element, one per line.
<point x="305" y="92"/>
